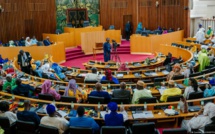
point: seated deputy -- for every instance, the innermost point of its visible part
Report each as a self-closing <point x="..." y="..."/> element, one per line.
<point x="210" y="89"/>
<point x="122" y="92"/>
<point x="54" y="119"/>
<point x="83" y="121"/>
<point x="108" y="76"/>
<point x="5" y="112"/>
<point x="23" y="89"/>
<point x="28" y="115"/>
<point x="114" y="118"/>
<point x="46" y="89"/>
<point x="92" y="76"/>
<point x="47" y="42"/>
<point x="9" y="84"/>
<point x="100" y="93"/>
<point x="140" y="92"/>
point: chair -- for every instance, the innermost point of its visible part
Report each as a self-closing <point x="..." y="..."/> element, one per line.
<point x="46" y="97"/>
<point x="91" y="81"/>
<point x="147" y="128"/>
<point x="43" y="129"/>
<point x="107" y="82"/>
<point x="177" y="77"/>
<point x="24" y="127"/>
<point x="195" y="95"/>
<point x="189" y="41"/>
<point x="113" y="130"/>
<point x="83" y="71"/>
<point x="5" y="124"/>
<point x="195" y="74"/>
<point x="174" y="98"/>
<point x="39" y="43"/>
<point x="175" y="131"/>
<point x="86" y="23"/>
<point x="58" y="31"/>
<point x="45" y="76"/>
<point x="147" y="100"/>
<point x="210" y="128"/>
<point x="95" y="100"/>
<point x="68" y="99"/>
<point x="157" y="81"/>
<point x="80" y="130"/>
<point x="121" y="100"/>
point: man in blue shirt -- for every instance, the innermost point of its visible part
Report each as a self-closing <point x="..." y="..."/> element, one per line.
<point x="27" y="115"/>
<point x="107" y="50"/>
<point x="23" y="89"/>
<point x="100" y="93"/>
<point x="83" y="121"/>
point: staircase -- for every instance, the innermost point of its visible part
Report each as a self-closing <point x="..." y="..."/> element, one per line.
<point x="75" y="53"/>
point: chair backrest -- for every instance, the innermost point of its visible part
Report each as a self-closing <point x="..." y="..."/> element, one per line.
<point x="195" y="95"/>
<point x="4" y="123"/>
<point x="148" y="128"/>
<point x="113" y="130"/>
<point x="147" y="81"/>
<point x="195" y="74"/>
<point x="173" y="98"/>
<point x="121" y="100"/>
<point x="157" y="81"/>
<point x="80" y="130"/>
<point x="25" y="127"/>
<point x="45" y="97"/>
<point x="43" y="129"/>
<point x="147" y="100"/>
<point x="95" y="100"/>
<point x="210" y="128"/>
<point x="177" y="77"/>
<point x="91" y="81"/>
<point x="106" y="82"/>
<point x="68" y="99"/>
<point x="175" y="131"/>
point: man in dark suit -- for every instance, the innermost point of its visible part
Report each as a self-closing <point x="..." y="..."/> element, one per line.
<point x="122" y="92"/>
<point x="24" y="59"/>
<point x="47" y="42"/>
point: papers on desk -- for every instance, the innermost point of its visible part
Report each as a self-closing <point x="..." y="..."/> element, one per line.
<point x="202" y="83"/>
<point x="154" y="74"/>
<point x="165" y="72"/>
<point x="62" y="113"/>
<point x="24" y="79"/>
<point x="82" y="75"/>
<point x="103" y="113"/>
<point x="119" y="75"/>
<point x="144" y="114"/>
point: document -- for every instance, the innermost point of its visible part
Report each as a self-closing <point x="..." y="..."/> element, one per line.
<point x="144" y="114"/>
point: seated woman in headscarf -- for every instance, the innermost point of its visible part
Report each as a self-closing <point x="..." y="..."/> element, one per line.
<point x="175" y="71"/>
<point x="108" y="76"/>
<point x="35" y="65"/>
<point x="46" y="89"/>
<point x="202" y="118"/>
<point x="203" y="59"/>
<point x="28" y="41"/>
<point x="2" y="61"/>
<point x="74" y="90"/>
<point x="209" y="33"/>
<point x="58" y="71"/>
<point x="210" y="88"/>
<point x="123" y="67"/>
<point x="139" y="28"/>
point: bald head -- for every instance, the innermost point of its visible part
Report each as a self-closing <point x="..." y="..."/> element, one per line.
<point x="98" y="86"/>
<point x="122" y="85"/>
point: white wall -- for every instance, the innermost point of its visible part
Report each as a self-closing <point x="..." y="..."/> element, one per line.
<point x="201" y="9"/>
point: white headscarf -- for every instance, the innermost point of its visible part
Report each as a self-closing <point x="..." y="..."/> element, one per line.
<point x="27" y="43"/>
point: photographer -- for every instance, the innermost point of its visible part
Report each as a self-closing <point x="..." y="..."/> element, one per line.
<point x="115" y="45"/>
<point x="24" y="59"/>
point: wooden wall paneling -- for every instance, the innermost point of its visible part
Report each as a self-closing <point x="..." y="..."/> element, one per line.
<point x="26" y="18"/>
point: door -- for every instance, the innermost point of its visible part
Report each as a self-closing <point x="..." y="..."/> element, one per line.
<point x="126" y="18"/>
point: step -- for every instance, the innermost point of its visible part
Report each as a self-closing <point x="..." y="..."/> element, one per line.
<point x="74" y="53"/>
<point x="75" y="57"/>
<point x="123" y="52"/>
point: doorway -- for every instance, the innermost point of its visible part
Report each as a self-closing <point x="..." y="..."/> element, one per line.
<point x="126" y="18"/>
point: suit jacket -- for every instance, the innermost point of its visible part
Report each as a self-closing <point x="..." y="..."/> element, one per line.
<point x="46" y="42"/>
<point x="20" y="58"/>
<point x="120" y="93"/>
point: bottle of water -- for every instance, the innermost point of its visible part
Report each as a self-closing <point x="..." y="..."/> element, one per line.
<point x="108" y="85"/>
<point x="72" y="105"/>
<point x="121" y="106"/>
<point x="202" y="103"/>
<point x="145" y="106"/>
<point x="53" y="102"/>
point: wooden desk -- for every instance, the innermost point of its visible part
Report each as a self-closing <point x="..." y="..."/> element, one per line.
<point x="98" y="46"/>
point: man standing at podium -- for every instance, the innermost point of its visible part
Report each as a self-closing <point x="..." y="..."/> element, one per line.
<point x="107" y="50"/>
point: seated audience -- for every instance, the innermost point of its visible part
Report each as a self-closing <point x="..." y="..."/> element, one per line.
<point x="203" y="60"/>
<point x="46" y="69"/>
<point x="24" y="59"/>
<point x="122" y="92"/>
<point x="113" y="118"/>
<point x="21" y="42"/>
<point x="164" y="31"/>
<point x="47" y="42"/>
<point x="108" y="76"/>
<point x="203" y="117"/>
<point x="210" y="54"/>
<point x="92" y="76"/>
<point x="193" y="87"/>
<point x="54" y="119"/>
<point x="9" y="84"/>
<point x="12" y="43"/>
<point x="83" y="121"/>
<point x="140" y="92"/>
<point x="175" y="71"/>
<point x="4" y="112"/>
<point x="58" y="71"/>
<point x="28" y="115"/>
<point x="28" y="41"/>
<point x="209" y="33"/>
<point x="74" y="90"/>
<point x="139" y="28"/>
<point x="123" y="67"/>
<point x="23" y="89"/>
<point x="100" y="93"/>
<point x="33" y="40"/>
<point x="46" y="89"/>
<point x="171" y="91"/>
<point x="210" y="89"/>
<point x="188" y="70"/>
<point x="200" y="35"/>
<point x="2" y="61"/>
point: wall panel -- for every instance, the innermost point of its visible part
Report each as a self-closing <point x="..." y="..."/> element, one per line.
<point x="26" y="18"/>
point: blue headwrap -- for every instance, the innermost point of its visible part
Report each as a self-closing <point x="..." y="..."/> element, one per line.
<point x="50" y="109"/>
<point x="112" y="106"/>
<point x="212" y="81"/>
